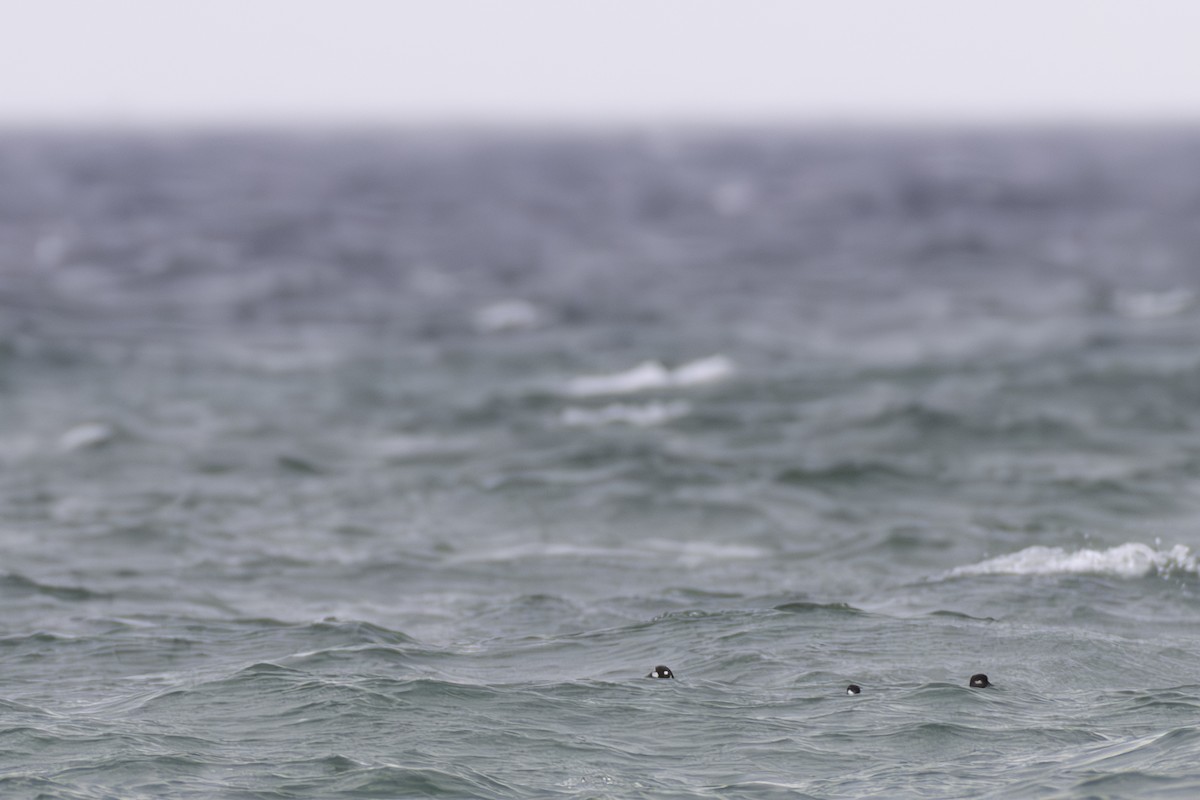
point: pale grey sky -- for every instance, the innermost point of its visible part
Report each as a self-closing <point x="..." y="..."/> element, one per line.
<point x="593" y="61"/>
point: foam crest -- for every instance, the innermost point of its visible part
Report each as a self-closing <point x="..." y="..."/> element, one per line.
<point x="651" y="375"/>
<point x="1129" y="560"/>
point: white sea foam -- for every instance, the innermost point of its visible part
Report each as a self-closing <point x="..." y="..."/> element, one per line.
<point x="1130" y="560"/>
<point x="651" y="375"/>
<point x="641" y="416"/>
<point x="645" y="376"/>
<point x="704" y="370"/>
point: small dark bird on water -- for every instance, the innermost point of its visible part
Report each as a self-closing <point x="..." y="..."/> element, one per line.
<point x="661" y="672"/>
<point x="853" y="688"/>
<point x="979" y="681"/>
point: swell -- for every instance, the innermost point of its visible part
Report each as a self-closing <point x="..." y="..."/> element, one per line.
<point x="17" y="585"/>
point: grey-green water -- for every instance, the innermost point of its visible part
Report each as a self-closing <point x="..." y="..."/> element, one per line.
<point x="389" y="465"/>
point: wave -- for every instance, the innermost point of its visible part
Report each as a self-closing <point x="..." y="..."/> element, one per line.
<point x="86" y="436"/>
<point x="402" y="448"/>
<point x="642" y="416"/>
<point x="18" y="585"/>
<point x="805" y="607"/>
<point x="688" y="553"/>
<point x="507" y="315"/>
<point x="1129" y="560"/>
<point x="1154" y="305"/>
<point x="651" y="375"/>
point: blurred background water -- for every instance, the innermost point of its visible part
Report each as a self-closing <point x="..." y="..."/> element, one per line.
<point x="387" y="465"/>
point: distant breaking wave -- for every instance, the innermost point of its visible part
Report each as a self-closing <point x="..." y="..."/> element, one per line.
<point x="1130" y="560"/>
<point x="651" y="375"/>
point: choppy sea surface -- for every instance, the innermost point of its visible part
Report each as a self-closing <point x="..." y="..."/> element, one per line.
<point x="388" y="465"/>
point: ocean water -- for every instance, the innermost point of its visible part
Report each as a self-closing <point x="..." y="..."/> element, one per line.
<point x="387" y="465"/>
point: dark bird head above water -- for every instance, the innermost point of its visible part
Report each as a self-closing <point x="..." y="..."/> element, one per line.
<point x="853" y="688"/>
<point x="979" y="681"/>
<point x="661" y="672"/>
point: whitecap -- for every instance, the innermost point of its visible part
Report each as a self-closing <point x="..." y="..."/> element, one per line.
<point x="641" y="416"/>
<point x="704" y="370"/>
<point x="651" y="375"/>
<point x="1129" y="560"/>
<point x="645" y="376"/>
